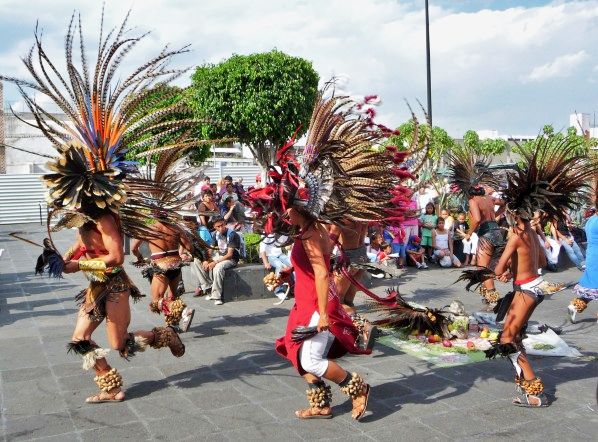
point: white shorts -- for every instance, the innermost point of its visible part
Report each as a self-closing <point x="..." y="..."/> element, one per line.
<point x="313" y="352"/>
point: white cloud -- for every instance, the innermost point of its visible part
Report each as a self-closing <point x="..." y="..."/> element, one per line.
<point x="478" y="58"/>
<point x="563" y="66"/>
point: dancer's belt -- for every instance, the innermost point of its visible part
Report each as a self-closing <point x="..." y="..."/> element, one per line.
<point x="164" y="254"/>
<point x="530" y="286"/>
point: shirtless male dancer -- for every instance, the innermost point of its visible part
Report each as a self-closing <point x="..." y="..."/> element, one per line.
<point x="351" y="236"/>
<point x="167" y="249"/>
<point x="482" y="222"/>
<point x="525" y="255"/>
<point x="98" y="252"/>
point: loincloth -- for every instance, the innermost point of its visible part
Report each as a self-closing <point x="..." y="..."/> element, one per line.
<point x="490" y="233"/>
<point x="93" y="299"/>
<point x="169" y="266"/>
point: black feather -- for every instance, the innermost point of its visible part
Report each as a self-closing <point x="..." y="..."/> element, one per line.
<point x="404" y="315"/>
<point x="80" y="347"/>
<point x="502" y="306"/>
<point x="475" y="277"/>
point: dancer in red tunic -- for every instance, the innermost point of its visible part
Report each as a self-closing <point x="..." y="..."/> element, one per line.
<point x="340" y="177"/>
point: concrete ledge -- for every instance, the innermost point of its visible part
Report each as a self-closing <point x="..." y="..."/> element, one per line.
<point x="240" y="283"/>
<point x="245" y="282"/>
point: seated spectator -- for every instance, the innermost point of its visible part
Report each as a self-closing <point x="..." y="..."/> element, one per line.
<point x="442" y="243"/>
<point x="207" y="211"/>
<point x="233" y="213"/>
<point x="550" y="247"/>
<point x="230" y="193"/>
<point x="560" y="232"/>
<point x="415" y="252"/>
<point x="273" y="257"/>
<point x="383" y="256"/>
<point x="210" y="272"/>
<point x="214" y="189"/>
<point x="373" y="246"/>
<point x="201" y="186"/>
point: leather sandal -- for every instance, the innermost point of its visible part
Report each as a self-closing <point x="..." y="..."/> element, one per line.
<point x="103" y="396"/>
<point x="356" y="404"/>
<point x="314" y="413"/>
<point x="523" y="400"/>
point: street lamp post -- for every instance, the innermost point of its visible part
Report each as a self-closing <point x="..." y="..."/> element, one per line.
<point x="428" y="65"/>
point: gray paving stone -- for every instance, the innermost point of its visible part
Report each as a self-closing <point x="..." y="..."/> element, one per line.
<point x="231" y="385"/>
<point x="38" y="426"/>
<point x="239" y="416"/>
<point x="181" y="426"/>
<point x="134" y="431"/>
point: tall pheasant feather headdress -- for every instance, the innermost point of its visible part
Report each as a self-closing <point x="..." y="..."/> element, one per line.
<point x="551" y="178"/>
<point x="90" y="170"/>
<point x="342" y="173"/>
<point x="469" y="171"/>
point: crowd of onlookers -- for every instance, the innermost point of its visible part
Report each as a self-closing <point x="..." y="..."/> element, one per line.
<point x="429" y="235"/>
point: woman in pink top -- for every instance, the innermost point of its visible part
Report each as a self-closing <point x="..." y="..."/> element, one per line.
<point x="411" y="223"/>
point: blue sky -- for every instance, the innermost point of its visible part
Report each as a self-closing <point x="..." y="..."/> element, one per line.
<point x="511" y="66"/>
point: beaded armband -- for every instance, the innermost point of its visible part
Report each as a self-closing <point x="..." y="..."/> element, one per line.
<point x="92" y="265"/>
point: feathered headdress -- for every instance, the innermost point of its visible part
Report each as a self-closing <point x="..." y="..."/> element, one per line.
<point x="90" y="170"/>
<point x="468" y="172"/>
<point x="342" y="172"/>
<point x="551" y="178"/>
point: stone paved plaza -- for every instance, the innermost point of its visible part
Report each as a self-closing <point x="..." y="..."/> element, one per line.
<point x="230" y="385"/>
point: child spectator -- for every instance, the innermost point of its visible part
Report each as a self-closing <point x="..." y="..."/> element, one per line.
<point x="374" y="247"/>
<point x="442" y="242"/>
<point x="428" y="223"/>
<point x="449" y="221"/>
<point x="415" y="252"/>
<point x="383" y="256"/>
<point x="397" y="238"/>
<point x="460" y="244"/>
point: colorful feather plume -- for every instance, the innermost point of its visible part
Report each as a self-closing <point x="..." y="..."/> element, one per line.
<point x="404" y="315"/>
<point x="343" y="173"/>
<point x="91" y="165"/>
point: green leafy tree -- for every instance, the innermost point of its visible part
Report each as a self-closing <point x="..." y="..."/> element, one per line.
<point x="261" y="99"/>
<point x="583" y="144"/>
<point x="490" y="147"/>
<point x="162" y="97"/>
<point x="440" y="141"/>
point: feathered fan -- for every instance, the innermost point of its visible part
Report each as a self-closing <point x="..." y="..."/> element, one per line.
<point x="404" y="315"/>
